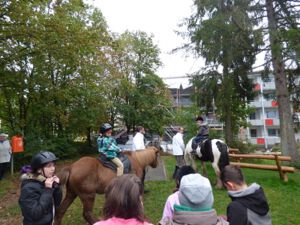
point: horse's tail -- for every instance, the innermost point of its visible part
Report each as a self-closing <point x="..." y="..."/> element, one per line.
<point x="187" y="153"/>
<point x="224" y="157"/>
<point x="64" y="175"/>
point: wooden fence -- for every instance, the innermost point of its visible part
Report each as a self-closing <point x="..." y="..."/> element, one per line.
<point x="283" y="170"/>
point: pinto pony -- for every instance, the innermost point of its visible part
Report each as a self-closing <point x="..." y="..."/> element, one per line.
<point x="87" y="177"/>
<point x="213" y="150"/>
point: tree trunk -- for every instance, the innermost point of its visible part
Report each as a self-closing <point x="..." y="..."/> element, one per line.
<point x="288" y="142"/>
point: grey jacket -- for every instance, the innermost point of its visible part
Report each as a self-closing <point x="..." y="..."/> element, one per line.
<point x="195" y="218"/>
<point x="248" y="207"/>
<point x="5" y="151"/>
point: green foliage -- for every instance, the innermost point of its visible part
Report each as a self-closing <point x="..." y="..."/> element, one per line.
<point x="186" y="117"/>
<point x="244" y="147"/>
<point x="224" y="34"/>
<point x="136" y="91"/>
<point x="62" y="74"/>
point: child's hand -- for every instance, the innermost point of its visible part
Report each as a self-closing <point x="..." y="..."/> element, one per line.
<point x="49" y="182"/>
<point x="56" y="179"/>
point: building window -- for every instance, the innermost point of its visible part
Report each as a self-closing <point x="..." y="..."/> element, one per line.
<point x="272" y="133"/>
<point x="252" y="116"/>
<point x="269" y="96"/>
<point x="253" y="132"/>
<point x="271" y="114"/>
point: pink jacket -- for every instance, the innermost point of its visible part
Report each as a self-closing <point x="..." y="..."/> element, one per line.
<point x="169" y="206"/>
<point x="121" y="221"/>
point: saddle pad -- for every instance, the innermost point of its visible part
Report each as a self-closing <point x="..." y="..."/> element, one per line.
<point x="108" y="163"/>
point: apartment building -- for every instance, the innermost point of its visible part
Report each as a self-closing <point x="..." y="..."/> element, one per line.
<point x="264" y="129"/>
<point x="264" y="124"/>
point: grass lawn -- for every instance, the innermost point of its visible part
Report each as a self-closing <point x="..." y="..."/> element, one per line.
<point x="284" y="198"/>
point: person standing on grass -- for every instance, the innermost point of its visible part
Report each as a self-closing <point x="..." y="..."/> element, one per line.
<point x="178" y="149"/>
<point x="249" y="204"/>
<point x="123" y="202"/>
<point x="138" y="142"/>
<point x="40" y="191"/>
<point x="5" y="154"/>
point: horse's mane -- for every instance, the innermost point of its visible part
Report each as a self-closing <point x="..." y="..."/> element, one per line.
<point x="144" y="157"/>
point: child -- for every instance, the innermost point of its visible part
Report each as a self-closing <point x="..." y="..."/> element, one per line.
<point x="123" y="202"/>
<point x="249" y="204"/>
<point x="195" y="203"/>
<point x="40" y="192"/>
<point x="173" y="198"/>
<point x="108" y="146"/>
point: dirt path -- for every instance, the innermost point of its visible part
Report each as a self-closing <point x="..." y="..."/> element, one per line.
<point x="8" y="202"/>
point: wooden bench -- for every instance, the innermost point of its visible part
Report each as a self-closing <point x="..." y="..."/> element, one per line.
<point x="281" y="169"/>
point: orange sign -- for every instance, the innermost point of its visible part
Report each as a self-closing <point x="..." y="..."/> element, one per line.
<point x="17" y="144"/>
<point x="260" y="141"/>
<point x="274" y="103"/>
<point x="257" y="87"/>
<point x="269" y="122"/>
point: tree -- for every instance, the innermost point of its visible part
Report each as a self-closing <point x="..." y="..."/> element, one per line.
<point x="135" y="89"/>
<point x="222" y="32"/>
<point x="288" y="143"/>
<point x="52" y="61"/>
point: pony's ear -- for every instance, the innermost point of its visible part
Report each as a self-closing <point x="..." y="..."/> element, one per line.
<point x="156" y="149"/>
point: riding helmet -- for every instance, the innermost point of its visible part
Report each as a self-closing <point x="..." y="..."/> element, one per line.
<point x="199" y="118"/>
<point x="41" y="158"/>
<point x="105" y="127"/>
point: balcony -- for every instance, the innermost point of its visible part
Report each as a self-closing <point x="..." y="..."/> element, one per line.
<point x="262" y="141"/>
<point x="266" y="103"/>
<point x="256" y="122"/>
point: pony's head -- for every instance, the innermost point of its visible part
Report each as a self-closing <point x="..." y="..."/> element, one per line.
<point x="155" y="156"/>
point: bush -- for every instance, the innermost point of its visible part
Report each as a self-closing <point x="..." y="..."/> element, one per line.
<point x="244" y="147"/>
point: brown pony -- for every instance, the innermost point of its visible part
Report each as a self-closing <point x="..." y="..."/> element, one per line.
<point x="87" y="176"/>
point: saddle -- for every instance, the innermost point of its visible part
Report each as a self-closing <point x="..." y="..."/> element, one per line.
<point x="205" y="149"/>
<point x="109" y="164"/>
<point x="196" y="143"/>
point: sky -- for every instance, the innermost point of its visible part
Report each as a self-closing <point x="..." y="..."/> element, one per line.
<point x="159" y="18"/>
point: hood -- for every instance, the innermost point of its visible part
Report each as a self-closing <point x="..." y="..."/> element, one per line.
<point x="29" y="177"/>
<point x="253" y="198"/>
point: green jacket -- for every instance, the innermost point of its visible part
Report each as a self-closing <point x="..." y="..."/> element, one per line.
<point x="108" y="146"/>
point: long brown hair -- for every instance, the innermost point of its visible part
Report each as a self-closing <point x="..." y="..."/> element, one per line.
<point x="123" y="198"/>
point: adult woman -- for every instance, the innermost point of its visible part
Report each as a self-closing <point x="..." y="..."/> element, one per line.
<point x="123" y="202"/>
<point x="40" y="191"/>
<point x="5" y="154"/>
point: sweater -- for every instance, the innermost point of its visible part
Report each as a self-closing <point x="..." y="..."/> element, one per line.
<point x="178" y="144"/>
<point x="5" y="151"/>
<point x="138" y="142"/>
<point x="121" y="221"/>
<point x="193" y="217"/>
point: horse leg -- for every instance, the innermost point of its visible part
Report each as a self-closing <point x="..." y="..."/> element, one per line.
<point x="204" y="171"/>
<point x="219" y="184"/>
<point x="70" y="196"/>
<point x="88" y="205"/>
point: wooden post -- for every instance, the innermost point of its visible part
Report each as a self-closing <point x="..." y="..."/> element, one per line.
<point x="282" y="174"/>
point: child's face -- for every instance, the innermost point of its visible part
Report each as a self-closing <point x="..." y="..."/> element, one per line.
<point x="49" y="169"/>
<point x="108" y="133"/>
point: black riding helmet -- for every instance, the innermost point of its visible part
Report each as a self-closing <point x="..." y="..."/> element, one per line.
<point x="41" y="158"/>
<point x="200" y="118"/>
<point x="105" y="127"/>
